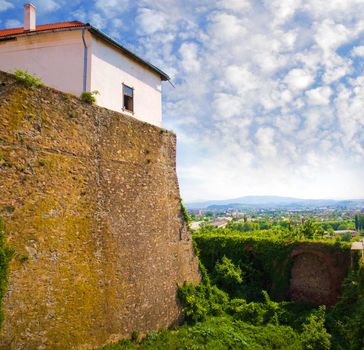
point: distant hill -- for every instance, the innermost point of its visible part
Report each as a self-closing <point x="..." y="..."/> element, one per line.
<point x="265" y="202"/>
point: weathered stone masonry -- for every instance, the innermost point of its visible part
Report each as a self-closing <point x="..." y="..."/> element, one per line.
<point x="318" y="273"/>
<point x="91" y="204"/>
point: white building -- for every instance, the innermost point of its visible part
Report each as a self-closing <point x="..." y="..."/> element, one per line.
<point x="74" y="57"/>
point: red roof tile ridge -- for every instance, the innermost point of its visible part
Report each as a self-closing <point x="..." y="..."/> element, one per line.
<point x="11" y="29"/>
<point x="41" y="27"/>
<point x="58" y="23"/>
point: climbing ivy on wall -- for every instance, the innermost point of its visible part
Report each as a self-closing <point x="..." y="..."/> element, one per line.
<point x="346" y="319"/>
<point x="185" y="214"/>
<point x="5" y="255"/>
<point x="262" y="262"/>
<point x="265" y="264"/>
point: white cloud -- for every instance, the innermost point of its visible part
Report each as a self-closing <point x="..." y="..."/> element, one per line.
<point x="319" y="96"/>
<point x="358" y="51"/>
<point x="225" y="27"/>
<point x="234" y="5"/>
<point x="13" y="23"/>
<point x="227" y="106"/>
<point x="48" y="5"/>
<point x="283" y="9"/>
<point x="150" y="21"/>
<point x="98" y="21"/>
<point x="298" y="79"/>
<point x="111" y="8"/>
<point x="330" y="35"/>
<point x="336" y="9"/>
<point x="117" y="23"/>
<point x="189" y="55"/>
<point x="240" y="78"/>
<point x="5" y="5"/>
<point x="287" y="124"/>
<point x="265" y="142"/>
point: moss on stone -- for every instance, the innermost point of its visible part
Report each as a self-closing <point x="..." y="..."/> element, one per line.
<point x="5" y="255"/>
<point x="99" y="227"/>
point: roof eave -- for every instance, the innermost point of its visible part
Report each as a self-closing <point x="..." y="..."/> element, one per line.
<point x="128" y="53"/>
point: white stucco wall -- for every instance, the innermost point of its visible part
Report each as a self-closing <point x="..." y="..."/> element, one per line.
<point x="57" y="58"/>
<point x="110" y="69"/>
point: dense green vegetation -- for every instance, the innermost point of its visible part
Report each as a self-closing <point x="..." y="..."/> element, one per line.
<point x="346" y="319"/>
<point x="215" y="321"/>
<point x="264" y="260"/>
<point x="293" y="227"/>
<point x="281" y="230"/>
<point x="219" y="332"/>
<point x="316" y="224"/>
<point x="5" y="256"/>
<point x="359" y="222"/>
<point x="241" y="302"/>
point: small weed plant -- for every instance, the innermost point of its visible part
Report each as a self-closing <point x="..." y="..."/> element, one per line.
<point x="185" y="214"/>
<point x="89" y="96"/>
<point x="27" y="79"/>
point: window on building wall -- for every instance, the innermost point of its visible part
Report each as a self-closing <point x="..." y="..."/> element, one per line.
<point x="128" y="98"/>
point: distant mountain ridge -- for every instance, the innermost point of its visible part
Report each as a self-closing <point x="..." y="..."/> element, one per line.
<point x="264" y="202"/>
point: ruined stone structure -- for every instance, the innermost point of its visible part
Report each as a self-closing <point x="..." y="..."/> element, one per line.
<point x="318" y="273"/>
<point x="91" y="205"/>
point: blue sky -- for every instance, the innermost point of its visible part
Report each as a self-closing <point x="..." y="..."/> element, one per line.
<point x="269" y="96"/>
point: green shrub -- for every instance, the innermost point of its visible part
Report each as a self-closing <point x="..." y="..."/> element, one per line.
<point x="346" y="319"/>
<point x="315" y="335"/>
<point x="27" y="78"/>
<point x="89" y="96"/>
<point x="217" y="333"/>
<point x="201" y="300"/>
<point x="294" y="314"/>
<point x="135" y="336"/>
<point x="254" y="312"/>
<point x="227" y="275"/>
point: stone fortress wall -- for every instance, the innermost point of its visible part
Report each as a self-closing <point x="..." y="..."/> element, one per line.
<point x="91" y="204"/>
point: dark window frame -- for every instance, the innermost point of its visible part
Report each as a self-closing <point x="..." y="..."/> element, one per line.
<point x="128" y="99"/>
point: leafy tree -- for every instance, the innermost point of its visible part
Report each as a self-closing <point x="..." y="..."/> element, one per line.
<point x="227" y="275"/>
<point x="359" y="222"/>
<point x="346" y="319"/>
<point x="315" y="335"/>
<point x="330" y="231"/>
<point x="310" y="230"/>
<point x="346" y="237"/>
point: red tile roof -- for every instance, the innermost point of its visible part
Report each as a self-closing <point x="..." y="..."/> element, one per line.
<point x="52" y="26"/>
<point x="4" y="33"/>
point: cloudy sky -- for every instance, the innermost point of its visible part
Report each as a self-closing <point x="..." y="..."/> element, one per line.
<point x="268" y="97"/>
